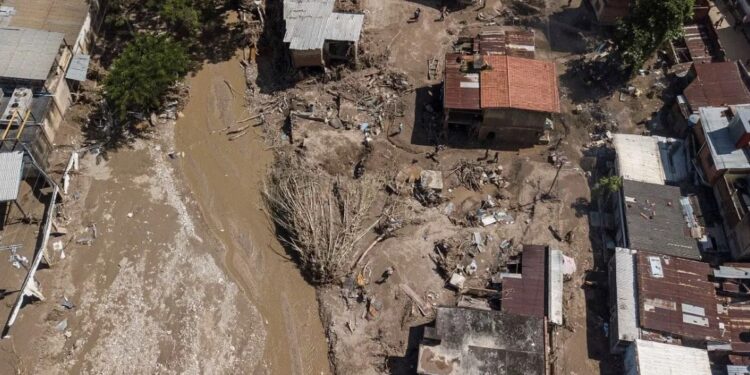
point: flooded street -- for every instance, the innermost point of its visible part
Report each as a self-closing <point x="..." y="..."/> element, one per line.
<point x="225" y="177"/>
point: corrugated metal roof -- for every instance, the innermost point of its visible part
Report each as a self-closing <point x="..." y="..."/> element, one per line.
<point x="28" y="54"/>
<point x="307" y="8"/>
<point x="526" y="295"/>
<point x="738" y="370"/>
<point x="461" y="90"/>
<point x="78" y="68"/>
<point x="309" y="23"/>
<point x="11" y="169"/>
<point x="720" y="141"/>
<point x="344" y="27"/>
<point x="555" y="287"/>
<point x="716" y="84"/>
<point x="676" y="297"/>
<point x="655" y="220"/>
<point x="701" y="41"/>
<point x="655" y="358"/>
<point x="61" y="16"/>
<point x="627" y="318"/>
<point x="519" y="43"/>
<point x="305" y="34"/>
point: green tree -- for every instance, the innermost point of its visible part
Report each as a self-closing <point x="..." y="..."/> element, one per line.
<point x="181" y="16"/>
<point x="649" y="25"/>
<point x="607" y="185"/>
<point x="144" y="71"/>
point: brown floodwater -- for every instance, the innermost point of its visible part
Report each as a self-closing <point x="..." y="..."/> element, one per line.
<point x="226" y="177"/>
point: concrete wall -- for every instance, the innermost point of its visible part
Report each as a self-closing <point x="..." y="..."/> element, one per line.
<point x="512" y="125"/>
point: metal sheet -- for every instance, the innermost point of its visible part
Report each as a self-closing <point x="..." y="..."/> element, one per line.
<point x="627" y="322"/>
<point x="685" y="282"/>
<point x="526" y="296"/>
<point x="716" y="84"/>
<point x="555" y="287"/>
<point x="79" y="67"/>
<point x="11" y="170"/>
<point x="28" y="54"/>
<point x="659" y="359"/>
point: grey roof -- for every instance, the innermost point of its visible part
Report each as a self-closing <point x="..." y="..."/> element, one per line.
<point x="11" y="169"/>
<point x="307" y="8"/>
<point x="309" y="23"/>
<point x="651" y="159"/>
<point x="720" y="140"/>
<point x="627" y="321"/>
<point x="28" y="54"/>
<point x="78" y="68"/>
<point x="655" y="358"/>
<point x="655" y="221"/>
<point x="344" y="27"/>
<point x="738" y="370"/>
<point x="483" y="342"/>
<point x="555" y="287"/>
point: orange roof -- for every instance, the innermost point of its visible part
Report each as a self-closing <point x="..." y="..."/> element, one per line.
<point x="515" y="82"/>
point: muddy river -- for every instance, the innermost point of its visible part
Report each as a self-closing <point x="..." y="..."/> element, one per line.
<point x="226" y="179"/>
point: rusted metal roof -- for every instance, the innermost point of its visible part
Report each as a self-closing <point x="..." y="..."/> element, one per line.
<point x="738" y="327"/>
<point x="61" y="16"/>
<point x="461" y="88"/>
<point x="525" y="295"/>
<point x="716" y="84"/>
<point x="676" y="297"/>
<point x="514" y="82"/>
<point x="702" y="42"/>
<point x="518" y="43"/>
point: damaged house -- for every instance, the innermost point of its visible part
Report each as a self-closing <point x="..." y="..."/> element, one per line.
<point x="495" y="94"/>
<point x="317" y="36"/>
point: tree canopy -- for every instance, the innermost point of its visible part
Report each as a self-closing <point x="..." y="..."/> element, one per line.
<point x="649" y="25"/>
<point x="144" y="71"/>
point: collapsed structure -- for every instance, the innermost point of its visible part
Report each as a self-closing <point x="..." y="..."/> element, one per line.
<point x="496" y="90"/>
<point x="317" y="36"/>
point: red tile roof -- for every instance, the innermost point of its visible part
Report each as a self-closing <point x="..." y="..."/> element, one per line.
<point x="461" y="89"/>
<point x="514" y="82"/>
<point x="716" y="84"/>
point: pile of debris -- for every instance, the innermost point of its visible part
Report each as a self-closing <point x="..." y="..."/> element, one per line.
<point x="474" y="175"/>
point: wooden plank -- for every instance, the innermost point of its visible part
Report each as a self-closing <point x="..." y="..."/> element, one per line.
<point x="424" y="308"/>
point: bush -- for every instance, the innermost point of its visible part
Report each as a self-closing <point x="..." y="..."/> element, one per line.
<point x="144" y="71"/>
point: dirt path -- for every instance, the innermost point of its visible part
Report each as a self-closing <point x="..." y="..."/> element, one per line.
<point x="225" y="177"/>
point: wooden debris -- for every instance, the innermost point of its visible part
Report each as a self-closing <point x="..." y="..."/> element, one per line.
<point x="424" y="307"/>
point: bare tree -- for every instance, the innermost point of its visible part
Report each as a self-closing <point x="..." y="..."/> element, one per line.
<point x="322" y="216"/>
